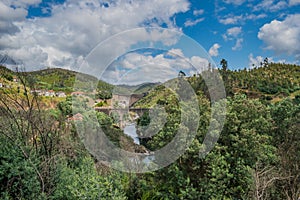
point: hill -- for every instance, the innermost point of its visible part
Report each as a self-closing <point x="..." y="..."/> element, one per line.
<point x="134" y="89"/>
<point x="57" y="79"/>
<point x="270" y="83"/>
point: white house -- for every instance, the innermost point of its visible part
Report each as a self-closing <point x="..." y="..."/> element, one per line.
<point x="61" y="94"/>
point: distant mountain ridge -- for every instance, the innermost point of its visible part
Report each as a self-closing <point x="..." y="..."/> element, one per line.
<point x="59" y="79"/>
<point x="270" y="82"/>
<point x="134" y="89"/>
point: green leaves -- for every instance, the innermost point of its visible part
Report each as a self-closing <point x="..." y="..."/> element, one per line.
<point x="18" y="178"/>
<point x="84" y="182"/>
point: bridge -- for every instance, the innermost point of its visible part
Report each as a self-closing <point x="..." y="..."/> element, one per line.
<point x="108" y="110"/>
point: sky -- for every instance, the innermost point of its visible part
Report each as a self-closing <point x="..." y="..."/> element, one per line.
<point x="63" y="33"/>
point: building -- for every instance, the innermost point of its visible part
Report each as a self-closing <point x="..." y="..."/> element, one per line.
<point x="15" y="79"/>
<point x="60" y="94"/>
<point x="49" y="93"/>
<point x="37" y="92"/>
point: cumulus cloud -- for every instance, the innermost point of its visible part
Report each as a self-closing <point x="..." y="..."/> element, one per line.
<point x="234" y="34"/>
<point x="8" y="16"/>
<point x="237" y="19"/>
<point x="294" y="2"/>
<point x="22" y="3"/>
<point x="75" y="27"/>
<point x="234" y="31"/>
<point x="235" y="2"/>
<point x="270" y="5"/>
<point x="193" y="22"/>
<point x="214" y="50"/>
<point x="238" y="44"/>
<point x="255" y="61"/>
<point x="231" y="19"/>
<point x="177" y="52"/>
<point x="135" y="67"/>
<point x="282" y="36"/>
<point x="258" y="60"/>
<point x="198" y="12"/>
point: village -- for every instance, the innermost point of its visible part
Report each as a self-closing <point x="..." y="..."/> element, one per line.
<point x="118" y="105"/>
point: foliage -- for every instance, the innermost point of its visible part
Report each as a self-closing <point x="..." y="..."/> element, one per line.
<point x="84" y="182"/>
<point x="286" y="115"/>
<point x="256" y="155"/>
<point x="18" y="178"/>
<point x="226" y="173"/>
<point x="273" y="79"/>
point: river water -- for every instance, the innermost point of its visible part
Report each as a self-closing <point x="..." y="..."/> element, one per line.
<point x="130" y="130"/>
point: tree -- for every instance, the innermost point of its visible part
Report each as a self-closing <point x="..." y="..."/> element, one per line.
<point x="286" y="115"/>
<point x="181" y="74"/>
<point x="224" y="64"/>
<point x="32" y="136"/>
<point x="84" y="182"/>
<point x="266" y="62"/>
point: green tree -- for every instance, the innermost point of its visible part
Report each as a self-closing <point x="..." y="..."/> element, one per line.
<point x="224" y="64"/>
<point x="84" y="182"/>
<point x="286" y="115"/>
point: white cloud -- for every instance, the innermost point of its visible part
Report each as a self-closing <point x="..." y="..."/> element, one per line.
<point x="238" y="44"/>
<point x="135" y="68"/>
<point x="294" y="2"/>
<point x="235" y="2"/>
<point x="234" y="31"/>
<point x="21" y="3"/>
<point x="75" y="27"/>
<point x="255" y="61"/>
<point x="237" y="19"/>
<point x="199" y="62"/>
<point x="214" y="50"/>
<point x="198" y="12"/>
<point x="282" y="36"/>
<point x="8" y="16"/>
<point x="231" y="19"/>
<point x="193" y="22"/>
<point x="177" y="52"/>
<point x="270" y="5"/>
<point x="258" y="60"/>
<point x="255" y="17"/>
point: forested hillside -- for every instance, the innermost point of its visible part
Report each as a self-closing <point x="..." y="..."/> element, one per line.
<point x="272" y="80"/>
<point x="256" y="156"/>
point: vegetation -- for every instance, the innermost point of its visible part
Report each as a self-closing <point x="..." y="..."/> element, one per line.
<point x="255" y="157"/>
<point x="273" y="80"/>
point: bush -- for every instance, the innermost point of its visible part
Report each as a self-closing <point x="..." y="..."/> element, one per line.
<point x="84" y="182"/>
<point x="18" y="177"/>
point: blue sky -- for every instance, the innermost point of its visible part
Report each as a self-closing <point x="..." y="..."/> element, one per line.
<point x="61" y="33"/>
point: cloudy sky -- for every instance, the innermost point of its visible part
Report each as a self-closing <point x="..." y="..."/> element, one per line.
<point x="61" y="33"/>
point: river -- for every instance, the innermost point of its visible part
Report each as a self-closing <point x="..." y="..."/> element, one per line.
<point x="130" y="130"/>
